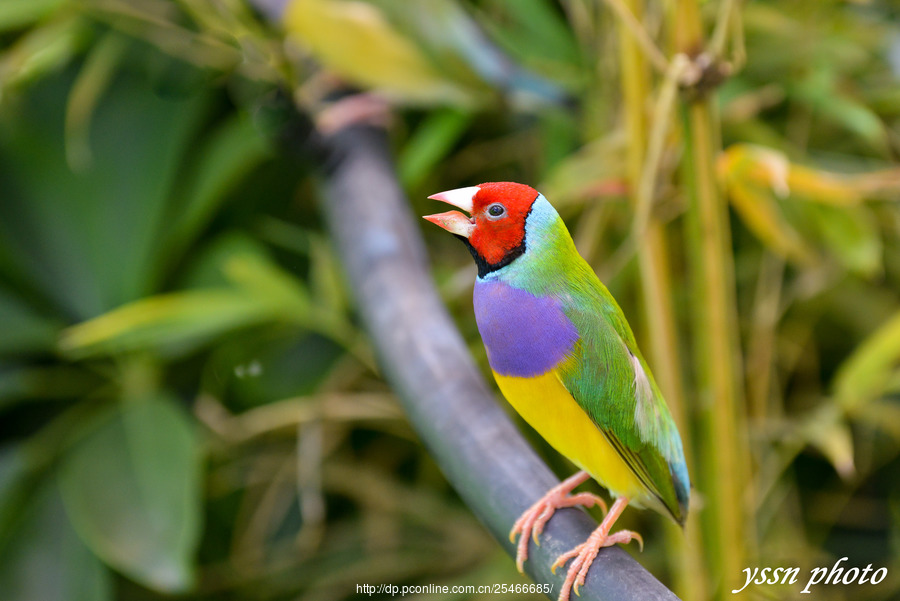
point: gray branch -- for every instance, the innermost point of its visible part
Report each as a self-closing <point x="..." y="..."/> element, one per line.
<point x="426" y="361"/>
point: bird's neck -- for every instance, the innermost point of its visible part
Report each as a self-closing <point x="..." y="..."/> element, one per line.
<point x="550" y="258"/>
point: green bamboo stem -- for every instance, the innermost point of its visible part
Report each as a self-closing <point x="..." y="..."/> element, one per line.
<point x="717" y="354"/>
<point x="652" y="254"/>
<point x="718" y="357"/>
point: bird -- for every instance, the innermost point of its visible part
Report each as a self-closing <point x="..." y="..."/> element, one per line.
<point x="566" y="359"/>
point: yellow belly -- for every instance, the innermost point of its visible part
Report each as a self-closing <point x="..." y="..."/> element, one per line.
<point x="549" y="408"/>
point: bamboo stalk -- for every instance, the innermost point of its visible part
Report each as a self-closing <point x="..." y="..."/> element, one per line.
<point x="652" y="253"/>
<point x="718" y="357"/>
<point x="630" y="27"/>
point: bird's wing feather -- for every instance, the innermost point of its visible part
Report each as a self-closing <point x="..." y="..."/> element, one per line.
<point x="610" y="381"/>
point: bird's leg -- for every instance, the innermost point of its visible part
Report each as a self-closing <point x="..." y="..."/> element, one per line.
<point x="531" y="523"/>
<point x="585" y="553"/>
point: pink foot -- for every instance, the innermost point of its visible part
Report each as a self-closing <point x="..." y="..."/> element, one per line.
<point x="585" y="553"/>
<point x="531" y="523"/>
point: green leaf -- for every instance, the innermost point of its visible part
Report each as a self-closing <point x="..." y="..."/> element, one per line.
<point x="206" y="269"/>
<point x="865" y="375"/>
<point x="536" y="30"/>
<point x="132" y="489"/>
<point x="96" y="74"/>
<point x="231" y="151"/>
<point x="12" y="474"/>
<point x="855" y="117"/>
<point x="596" y="169"/>
<point x="24" y="330"/>
<point x="430" y="143"/>
<point x="179" y="322"/>
<point x="849" y="233"/>
<point x="325" y="275"/>
<point x="43" y="558"/>
<point x="171" y="324"/>
<point x="44" y="382"/>
<point x="90" y="239"/>
<point x="40" y="52"/>
<point x="761" y="214"/>
<point x="15" y="14"/>
<point x="820" y="92"/>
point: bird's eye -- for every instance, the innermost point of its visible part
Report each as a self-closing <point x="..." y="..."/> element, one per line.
<point x="496" y="211"/>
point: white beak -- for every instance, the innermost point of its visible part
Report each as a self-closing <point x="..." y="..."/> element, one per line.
<point x="460" y="197"/>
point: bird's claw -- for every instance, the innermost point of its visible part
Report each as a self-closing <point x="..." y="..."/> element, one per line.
<point x="584" y="555"/>
<point x="531" y="523"/>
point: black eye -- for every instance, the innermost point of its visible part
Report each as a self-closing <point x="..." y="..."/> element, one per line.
<point x="496" y="210"/>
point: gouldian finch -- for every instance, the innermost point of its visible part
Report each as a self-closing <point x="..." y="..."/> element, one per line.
<point x="565" y="358"/>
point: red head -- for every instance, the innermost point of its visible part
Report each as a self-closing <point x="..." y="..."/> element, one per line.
<point x="495" y="232"/>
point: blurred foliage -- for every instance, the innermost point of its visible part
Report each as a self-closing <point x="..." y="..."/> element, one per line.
<point x="187" y="403"/>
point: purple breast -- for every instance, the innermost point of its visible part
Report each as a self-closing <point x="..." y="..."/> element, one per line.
<point x="525" y="335"/>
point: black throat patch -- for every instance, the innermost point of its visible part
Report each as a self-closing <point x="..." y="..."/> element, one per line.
<point x="511" y="255"/>
<point x="484" y="267"/>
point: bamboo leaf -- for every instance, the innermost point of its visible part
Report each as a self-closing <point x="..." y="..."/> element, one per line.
<point x="429" y="143"/>
<point x="752" y="177"/>
<point x="179" y="322"/>
<point x="865" y="375"/>
<point x="172" y="324"/>
<point x="93" y="79"/>
<point x="819" y="90"/>
<point x="41" y="51"/>
<point x="230" y="152"/>
<point x="537" y="29"/>
<point x="764" y="187"/>
<point x="825" y="430"/>
<point x="763" y="166"/>
<point x="814" y="185"/>
<point x="457" y="47"/>
<point x="15" y="14"/>
<point x="850" y="234"/>
<point x="882" y="414"/>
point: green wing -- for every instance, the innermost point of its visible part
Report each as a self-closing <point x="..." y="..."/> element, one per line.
<point x="609" y="379"/>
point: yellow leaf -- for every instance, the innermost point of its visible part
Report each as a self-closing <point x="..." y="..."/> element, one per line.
<point x="355" y="40"/>
<point x="759" y="181"/>
<point x="823" y="187"/>
<point x="770" y="168"/>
